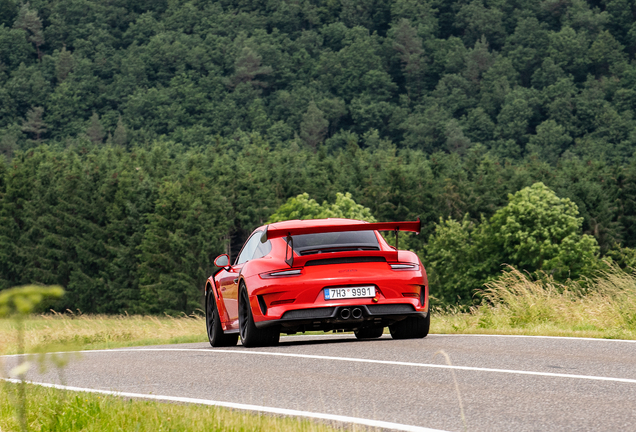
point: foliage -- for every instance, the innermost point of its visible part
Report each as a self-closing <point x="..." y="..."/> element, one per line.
<point x="521" y="81"/>
<point x="303" y="207"/>
<point x="452" y="258"/>
<point x="536" y="232"/>
<point x="17" y="303"/>
<point x="23" y="300"/>
<point x="135" y="229"/>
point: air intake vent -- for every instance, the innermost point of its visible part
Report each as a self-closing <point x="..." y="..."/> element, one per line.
<point x="345" y="260"/>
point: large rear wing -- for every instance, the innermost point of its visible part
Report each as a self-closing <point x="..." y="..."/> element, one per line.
<point x="270" y="233"/>
<point x="411" y="226"/>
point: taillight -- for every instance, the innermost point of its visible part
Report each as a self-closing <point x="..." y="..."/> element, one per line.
<point x="282" y="273"/>
<point x="404" y="266"/>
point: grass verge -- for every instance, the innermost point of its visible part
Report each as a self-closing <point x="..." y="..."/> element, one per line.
<point x="516" y="304"/>
<point x="52" y="410"/>
<point x="100" y="331"/>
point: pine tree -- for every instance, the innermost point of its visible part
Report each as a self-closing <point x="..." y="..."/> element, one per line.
<point x="409" y="47"/>
<point x="34" y="124"/>
<point x="8" y="144"/>
<point x="65" y="64"/>
<point x="314" y="126"/>
<point x="120" y="137"/>
<point x="247" y="67"/>
<point x="95" y="130"/>
<point x="29" y="21"/>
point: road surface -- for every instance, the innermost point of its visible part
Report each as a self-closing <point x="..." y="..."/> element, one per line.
<point x="505" y="383"/>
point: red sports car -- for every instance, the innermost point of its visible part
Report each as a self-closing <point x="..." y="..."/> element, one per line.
<point x="321" y="274"/>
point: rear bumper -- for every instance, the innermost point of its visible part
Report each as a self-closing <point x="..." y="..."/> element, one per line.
<point x="346" y="317"/>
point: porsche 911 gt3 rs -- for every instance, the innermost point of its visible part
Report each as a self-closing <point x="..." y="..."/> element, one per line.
<point x="321" y="274"/>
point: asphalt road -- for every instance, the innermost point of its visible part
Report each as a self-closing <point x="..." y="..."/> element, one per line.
<point x="505" y="383"/>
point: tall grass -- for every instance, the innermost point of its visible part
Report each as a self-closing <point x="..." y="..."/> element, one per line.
<point x="51" y="410"/>
<point x="100" y="331"/>
<point x="516" y="303"/>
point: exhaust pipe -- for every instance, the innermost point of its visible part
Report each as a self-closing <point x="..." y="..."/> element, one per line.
<point x="356" y="313"/>
<point x="345" y="313"/>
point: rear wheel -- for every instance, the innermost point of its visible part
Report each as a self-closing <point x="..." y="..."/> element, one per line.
<point x="369" y="332"/>
<point x="411" y="328"/>
<point x="216" y="335"/>
<point x="252" y="336"/>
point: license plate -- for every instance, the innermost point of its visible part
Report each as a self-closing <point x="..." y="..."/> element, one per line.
<point x="349" y="292"/>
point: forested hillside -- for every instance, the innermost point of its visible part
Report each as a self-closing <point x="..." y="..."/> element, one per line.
<point x="142" y="137"/>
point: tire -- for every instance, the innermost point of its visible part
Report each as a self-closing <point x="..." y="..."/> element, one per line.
<point x="252" y="336"/>
<point x="369" y="332"/>
<point x="411" y="328"/>
<point x="216" y="336"/>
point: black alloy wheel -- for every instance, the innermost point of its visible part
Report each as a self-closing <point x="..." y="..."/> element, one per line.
<point x="252" y="336"/>
<point x="411" y="327"/>
<point x="369" y="332"/>
<point x="216" y="336"/>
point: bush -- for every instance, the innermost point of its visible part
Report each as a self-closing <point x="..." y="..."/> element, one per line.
<point x="303" y="207"/>
<point x="536" y="232"/>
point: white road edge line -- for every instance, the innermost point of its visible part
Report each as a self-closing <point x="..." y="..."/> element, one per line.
<point x="257" y="408"/>
<point x="385" y="362"/>
<point x="386" y="336"/>
<point x="573" y="338"/>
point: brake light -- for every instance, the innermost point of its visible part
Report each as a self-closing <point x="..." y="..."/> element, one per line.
<point x="404" y="266"/>
<point x="283" y="273"/>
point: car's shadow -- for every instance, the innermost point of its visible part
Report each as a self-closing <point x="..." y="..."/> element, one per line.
<point x="326" y="340"/>
<point x="290" y="342"/>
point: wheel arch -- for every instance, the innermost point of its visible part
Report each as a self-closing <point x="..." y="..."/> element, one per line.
<point x="211" y="285"/>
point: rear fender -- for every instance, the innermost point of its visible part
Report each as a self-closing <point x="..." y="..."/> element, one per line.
<point x="256" y="308"/>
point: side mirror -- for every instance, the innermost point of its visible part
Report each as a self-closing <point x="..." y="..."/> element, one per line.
<point x="222" y="261"/>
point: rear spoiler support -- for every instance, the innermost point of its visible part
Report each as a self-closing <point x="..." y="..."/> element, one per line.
<point x="397" y="230"/>
<point x="290" y="247"/>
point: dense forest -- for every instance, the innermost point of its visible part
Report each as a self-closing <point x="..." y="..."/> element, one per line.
<point x="140" y="138"/>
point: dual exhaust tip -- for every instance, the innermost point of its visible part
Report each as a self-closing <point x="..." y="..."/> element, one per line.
<point x="346" y="313"/>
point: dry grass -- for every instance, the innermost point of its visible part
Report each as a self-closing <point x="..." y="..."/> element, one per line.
<point x="515" y="303"/>
<point x="101" y="331"/>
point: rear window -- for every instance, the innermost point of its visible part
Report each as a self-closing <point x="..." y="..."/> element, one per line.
<point x="307" y="244"/>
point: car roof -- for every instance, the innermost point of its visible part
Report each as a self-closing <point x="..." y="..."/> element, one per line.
<point x="297" y="223"/>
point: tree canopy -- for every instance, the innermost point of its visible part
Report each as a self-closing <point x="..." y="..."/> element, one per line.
<point x="523" y="80"/>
